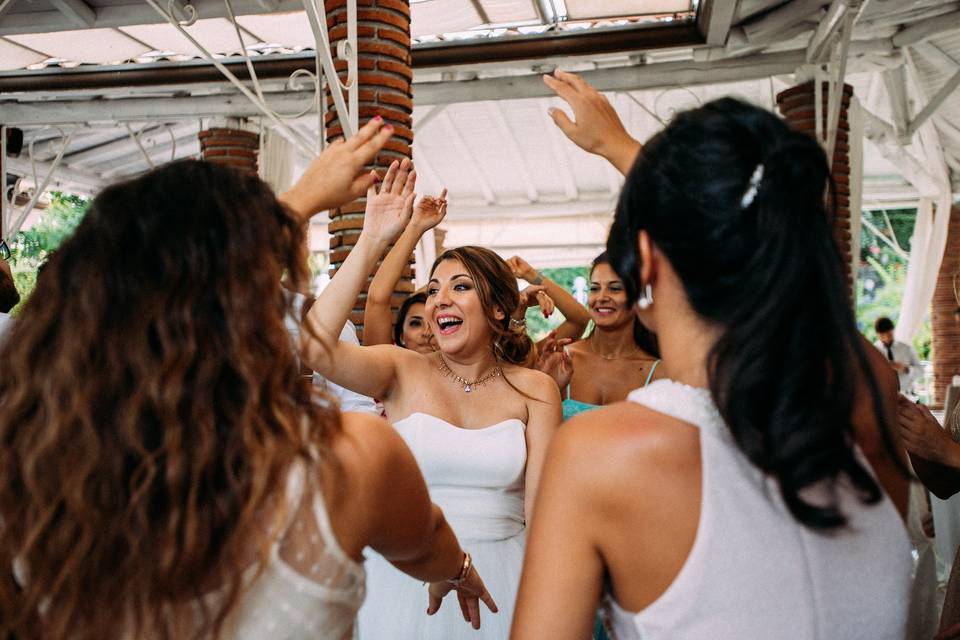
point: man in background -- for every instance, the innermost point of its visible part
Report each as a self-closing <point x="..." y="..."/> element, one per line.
<point x="902" y="357"/>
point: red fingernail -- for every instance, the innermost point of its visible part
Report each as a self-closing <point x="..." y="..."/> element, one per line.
<point x="376" y="179"/>
<point x="377" y="118"/>
<point x="389" y="127"/>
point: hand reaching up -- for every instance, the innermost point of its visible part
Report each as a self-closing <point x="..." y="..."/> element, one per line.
<point x="533" y="296"/>
<point x="522" y="269"/>
<point x="596" y="127"/>
<point x="429" y="212"/>
<point x="389" y="208"/>
<point x="337" y="176"/>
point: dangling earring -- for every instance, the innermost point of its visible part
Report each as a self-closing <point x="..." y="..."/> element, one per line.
<point x="646" y="298"/>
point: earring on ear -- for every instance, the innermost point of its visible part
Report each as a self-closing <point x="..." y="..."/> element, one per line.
<point x="646" y="297"/>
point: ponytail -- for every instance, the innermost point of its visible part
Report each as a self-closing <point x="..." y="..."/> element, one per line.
<point x="735" y="200"/>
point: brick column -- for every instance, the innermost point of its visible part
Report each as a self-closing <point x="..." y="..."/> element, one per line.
<point x="945" y="315"/>
<point x="227" y="142"/>
<point x="798" y="108"/>
<point x="385" y="76"/>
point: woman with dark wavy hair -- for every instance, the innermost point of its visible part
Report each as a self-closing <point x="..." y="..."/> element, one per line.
<point x="165" y="472"/>
<point x="732" y="501"/>
<point x="477" y="420"/>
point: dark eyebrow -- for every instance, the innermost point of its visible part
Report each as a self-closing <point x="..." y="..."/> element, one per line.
<point x="461" y="275"/>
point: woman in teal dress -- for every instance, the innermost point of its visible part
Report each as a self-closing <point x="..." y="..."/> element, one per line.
<point x="618" y="356"/>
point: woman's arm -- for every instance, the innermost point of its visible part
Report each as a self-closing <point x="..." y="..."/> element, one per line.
<point x="337" y="176"/>
<point x="382" y="495"/>
<point x="367" y="370"/>
<point x="575" y="314"/>
<point x="377" y="319"/>
<point x="597" y="128"/>
<point x="545" y="414"/>
<point x="933" y="453"/>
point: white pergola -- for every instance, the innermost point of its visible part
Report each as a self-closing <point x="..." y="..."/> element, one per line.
<point x="103" y="89"/>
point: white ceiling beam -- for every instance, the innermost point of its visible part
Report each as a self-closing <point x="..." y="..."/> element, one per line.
<point x="935" y="102"/>
<point x="151" y="136"/>
<point x="495" y="111"/>
<point x="715" y="19"/>
<point x="144" y="109"/>
<point x="63" y="173"/>
<point x="558" y="152"/>
<point x="748" y="8"/>
<point x="895" y="82"/>
<point x="135" y="162"/>
<point x="591" y="205"/>
<point x="430" y="183"/>
<point x="926" y="29"/>
<point x="472" y="168"/>
<point x="829" y="26"/>
<point x="883" y="135"/>
<point x="632" y="78"/>
<point x="125" y="15"/>
<point x="765" y="28"/>
<point x="77" y="11"/>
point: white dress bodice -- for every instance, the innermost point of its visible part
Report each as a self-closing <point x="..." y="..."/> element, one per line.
<point x="475" y="475"/>
<point x="754" y="571"/>
<point x="310" y="588"/>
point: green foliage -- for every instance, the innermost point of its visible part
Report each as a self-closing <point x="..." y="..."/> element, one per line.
<point x="883" y="274"/>
<point x="31" y="248"/>
<point x="538" y="326"/>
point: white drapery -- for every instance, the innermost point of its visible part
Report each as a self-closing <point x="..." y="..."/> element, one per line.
<point x="277" y="157"/>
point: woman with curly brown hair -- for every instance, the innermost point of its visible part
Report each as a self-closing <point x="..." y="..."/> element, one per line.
<point x="165" y="472"/>
<point x="477" y="421"/>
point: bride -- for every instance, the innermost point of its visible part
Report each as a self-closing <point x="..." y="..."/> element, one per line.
<point x="477" y="422"/>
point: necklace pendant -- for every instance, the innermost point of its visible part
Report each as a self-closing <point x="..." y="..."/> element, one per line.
<point x="467" y="388"/>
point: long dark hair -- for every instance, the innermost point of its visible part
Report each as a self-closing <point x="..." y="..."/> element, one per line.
<point x="642" y="337"/>
<point x="767" y="270"/>
<point x="496" y="287"/>
<point x="414" y="298"/>
<point x="151" y="408"/>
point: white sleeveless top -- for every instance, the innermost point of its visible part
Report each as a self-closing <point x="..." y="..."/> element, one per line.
<point x="310" y="588"/>
<point x="754" y="572"/>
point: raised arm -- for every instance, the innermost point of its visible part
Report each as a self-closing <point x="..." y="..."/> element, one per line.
<point x="337" y="176"/>
<point x="367" y="370"/>
<point x="933" y="453"/>
<point x="377" y="319"/>
<point x="596" y="127"/>
<point x="575" y="314"/>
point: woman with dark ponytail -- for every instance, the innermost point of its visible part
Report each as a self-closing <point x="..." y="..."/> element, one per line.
<point x="477" y="420"/>
<point x="732" y="501"/>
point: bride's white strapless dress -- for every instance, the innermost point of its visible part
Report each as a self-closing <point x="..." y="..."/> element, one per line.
<point x="477" y="477"/>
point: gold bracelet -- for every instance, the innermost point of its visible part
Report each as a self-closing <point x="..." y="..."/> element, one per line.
<point x="464" y="570"/>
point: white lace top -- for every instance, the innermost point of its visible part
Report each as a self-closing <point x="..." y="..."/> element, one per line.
<point x="310" y="588"/>
<point x="754" y="571"/>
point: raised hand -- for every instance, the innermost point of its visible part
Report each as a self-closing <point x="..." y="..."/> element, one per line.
<point x="337" y="176"/>
<point x="429" y="212"/>
<point x="522" y="269"/>
<point x="554" y="361"/>
<point x="469" y="593"/>
<point x="389" y="208"/>
<point x="596" y="127"/>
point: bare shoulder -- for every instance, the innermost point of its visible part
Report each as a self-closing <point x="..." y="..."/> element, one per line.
<point x="534" y="383"/>
<point x="635" y="443"/>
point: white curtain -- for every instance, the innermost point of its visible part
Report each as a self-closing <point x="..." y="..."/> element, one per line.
<point x="933" y="217"/>
<point x="277" y="158"/>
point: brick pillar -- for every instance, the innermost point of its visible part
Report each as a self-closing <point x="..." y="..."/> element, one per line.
<point x="385" y="76"/>
<point x="798" y="108"/>
<point x="945" y="315"/>
<point x="227" y="142"/>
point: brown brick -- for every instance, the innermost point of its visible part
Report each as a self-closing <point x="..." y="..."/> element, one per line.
<point x="396" y="5"/>
<point x="363" y="64"/>
<point x="383" y="49"/>
<point x="363" y="31"/>
<point x="399" y="68"/>
<point x="404" y="100"/>
<point x="232" y="133"/>
<point x="401" y="37"/>
<point x="383" y="80"/>
<point x="345" y="225"/>
<point x="383" y="17"/>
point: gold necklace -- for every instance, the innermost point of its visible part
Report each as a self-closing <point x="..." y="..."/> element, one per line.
<point x="597" y="353"/>
<point x="468" y="385"/>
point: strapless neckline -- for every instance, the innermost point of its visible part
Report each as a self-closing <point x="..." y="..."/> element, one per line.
<point x="459" y="428"/>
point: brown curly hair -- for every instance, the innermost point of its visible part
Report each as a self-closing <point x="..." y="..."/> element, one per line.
<point x="150" y="410"/>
